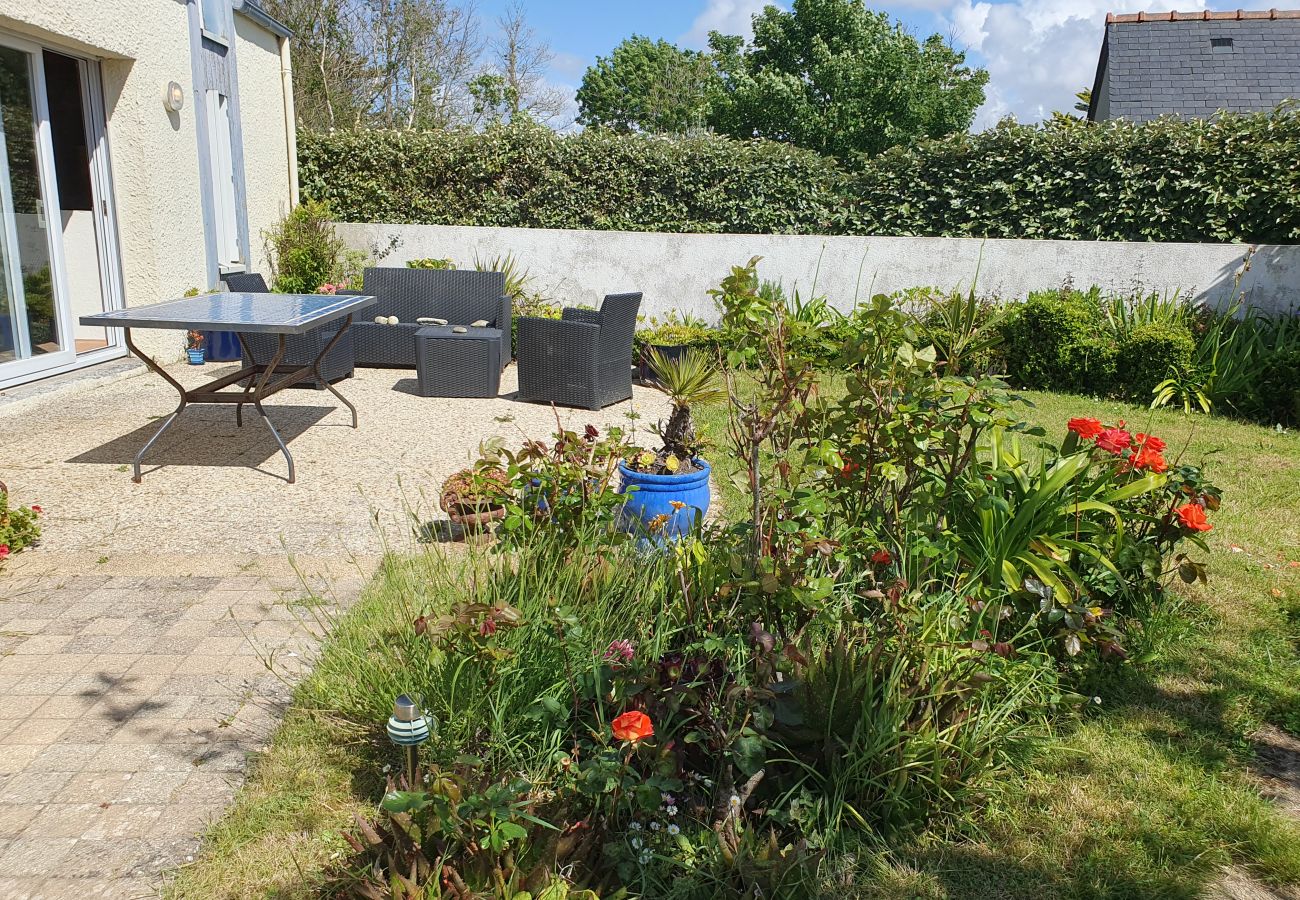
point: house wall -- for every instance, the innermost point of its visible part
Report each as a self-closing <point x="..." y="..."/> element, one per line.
<point x="142" y="45"/>
<point x="266" y="150"/>
<point x="675" y="271"/>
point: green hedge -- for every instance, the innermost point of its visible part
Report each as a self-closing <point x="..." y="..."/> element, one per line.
<point x="531" y="177"/>
<point x="1230" y="179"/>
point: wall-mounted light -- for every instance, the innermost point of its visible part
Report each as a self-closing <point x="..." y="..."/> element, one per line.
<point x="174" y="97"/>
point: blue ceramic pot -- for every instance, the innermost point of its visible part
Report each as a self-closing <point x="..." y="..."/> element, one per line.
<point x="654" y="497"/>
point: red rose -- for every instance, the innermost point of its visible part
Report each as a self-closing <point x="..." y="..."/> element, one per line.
<point x="1150" y="442"/>
<point x="632" y="726"/>
<point x="1114" y="440"/>
<point x="1192" y="516"/>
<point x="1085" y="428"/>
<point x="882" y="557"/>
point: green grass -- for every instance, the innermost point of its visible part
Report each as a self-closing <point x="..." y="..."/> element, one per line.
<point x="1146" y="796"/>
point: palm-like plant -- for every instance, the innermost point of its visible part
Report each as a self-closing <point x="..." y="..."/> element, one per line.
<point x="687" y="379"/>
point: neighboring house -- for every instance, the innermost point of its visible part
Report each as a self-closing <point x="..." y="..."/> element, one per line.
<point x="144" y="145"/>
<point x="1196" y="64"/>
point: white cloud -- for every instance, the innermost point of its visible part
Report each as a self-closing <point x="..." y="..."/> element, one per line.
<point x="570" y="65"/>
<point x="1038" y="52"/>
<point x="727" y="16"/>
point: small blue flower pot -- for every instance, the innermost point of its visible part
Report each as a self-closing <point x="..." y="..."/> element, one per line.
<point x="654" y="496"/>
<point x="196" y="356"/>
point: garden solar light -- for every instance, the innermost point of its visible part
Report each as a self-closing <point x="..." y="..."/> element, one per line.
<point x="408" y="728"/>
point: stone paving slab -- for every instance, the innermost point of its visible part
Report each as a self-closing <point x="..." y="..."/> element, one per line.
<point x="131" y="698"/>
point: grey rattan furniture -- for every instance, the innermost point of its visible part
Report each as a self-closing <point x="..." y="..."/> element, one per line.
<point x="460" y="297"/>
<point x="583" y="359"/>
<point x="299" y="349"/>
<point x="458" y="365"/>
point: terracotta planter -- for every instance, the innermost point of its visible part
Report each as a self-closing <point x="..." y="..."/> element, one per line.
<point x="469" y="513"/>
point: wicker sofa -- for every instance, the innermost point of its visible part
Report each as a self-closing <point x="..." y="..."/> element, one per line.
<point x="299" y="349"/>
<point x="583" y="359"/>
<point x="461" y="297"/>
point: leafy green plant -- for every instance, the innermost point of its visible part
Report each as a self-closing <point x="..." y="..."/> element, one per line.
<point x="964" y="329"/>
<point x="674" y="330"/>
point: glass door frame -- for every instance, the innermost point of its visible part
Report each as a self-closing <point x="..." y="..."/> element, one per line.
<point x="106" y="235"/>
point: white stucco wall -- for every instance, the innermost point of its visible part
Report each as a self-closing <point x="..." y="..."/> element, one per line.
<point x="143" y="44"/>
<point x="266" y="151"/>
<point x="675" y="271"/>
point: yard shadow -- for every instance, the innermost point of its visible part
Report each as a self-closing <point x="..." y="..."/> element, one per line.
<point x="207" y="436"/>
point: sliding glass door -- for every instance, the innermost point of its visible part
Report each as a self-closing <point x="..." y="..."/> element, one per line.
<point x="34" y="316"/>
<point x="58" y="257"/>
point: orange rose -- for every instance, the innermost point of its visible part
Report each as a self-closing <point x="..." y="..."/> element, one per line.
<point x="1150" y="442"/>
<point x="1192" y="516"/>
<point x="632" y="726"/>
<point x="1149" y="459"/>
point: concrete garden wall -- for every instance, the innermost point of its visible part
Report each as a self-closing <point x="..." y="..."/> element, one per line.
<point x="675" y="271"/>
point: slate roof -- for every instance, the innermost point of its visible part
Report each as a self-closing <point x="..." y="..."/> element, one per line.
<point x="1196" y="64"/>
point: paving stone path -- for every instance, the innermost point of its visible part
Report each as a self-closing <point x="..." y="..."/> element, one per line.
<point x="131" y="694"/>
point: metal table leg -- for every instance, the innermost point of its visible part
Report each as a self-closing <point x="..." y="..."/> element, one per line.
<point x="257" y="403"/>
<point x="320" y="357"/>
<point x="153" y="366"/>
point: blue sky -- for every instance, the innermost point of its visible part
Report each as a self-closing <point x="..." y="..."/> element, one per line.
<point x="1038" y="52"/>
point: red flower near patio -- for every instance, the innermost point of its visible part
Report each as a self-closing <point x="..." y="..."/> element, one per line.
<point x="1192" y="516"/>
<point x="4" y="551"/>
<point x="882" y="557"/>
<point x="1114" y="440"/>
<point x="1150" y="442"/>
<point x="36" y="509"/>
<point x="632" y="726"/>
<point x="1085" y="428"/>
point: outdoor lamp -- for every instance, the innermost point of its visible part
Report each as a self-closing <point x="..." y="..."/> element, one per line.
<point x="408" y="728"/>
<point x="174" y="97"/>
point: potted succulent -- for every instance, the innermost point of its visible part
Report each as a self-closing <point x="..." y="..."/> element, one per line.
<point x="475" y="498"/>
<point x="671" y="337"/>
<point x="672" y="483"/>
<point x="194" y="347"/>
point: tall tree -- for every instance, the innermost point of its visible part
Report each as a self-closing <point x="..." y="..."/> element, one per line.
<point x="647" y="85"/>
<point x="387" y="63"/>
<point x="520" y="60"/>
<point x="835" y="77"/>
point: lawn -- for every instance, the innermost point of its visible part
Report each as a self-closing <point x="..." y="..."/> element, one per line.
<point x="1144" y="794"/>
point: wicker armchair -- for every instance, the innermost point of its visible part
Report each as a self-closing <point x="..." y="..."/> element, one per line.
<point x="299" y="349"/>
<point x="582" y="359"/>
<point x="462" y="297"/>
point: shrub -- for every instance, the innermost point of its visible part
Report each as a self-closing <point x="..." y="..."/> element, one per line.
<point x="1149" y="354"/>
<point x="1058" y="340"/>
<point x="1277" y="390"/>
<point x="430" y="263"/>
<point x="304" y="250"/>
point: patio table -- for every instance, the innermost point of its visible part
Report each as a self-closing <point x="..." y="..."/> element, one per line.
<point x="278" y="314"/>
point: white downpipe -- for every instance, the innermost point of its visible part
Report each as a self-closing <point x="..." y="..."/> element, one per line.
<point x="290" y="120"/>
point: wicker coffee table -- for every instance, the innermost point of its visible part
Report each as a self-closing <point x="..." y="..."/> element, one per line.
<point x="453" y="364"/>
